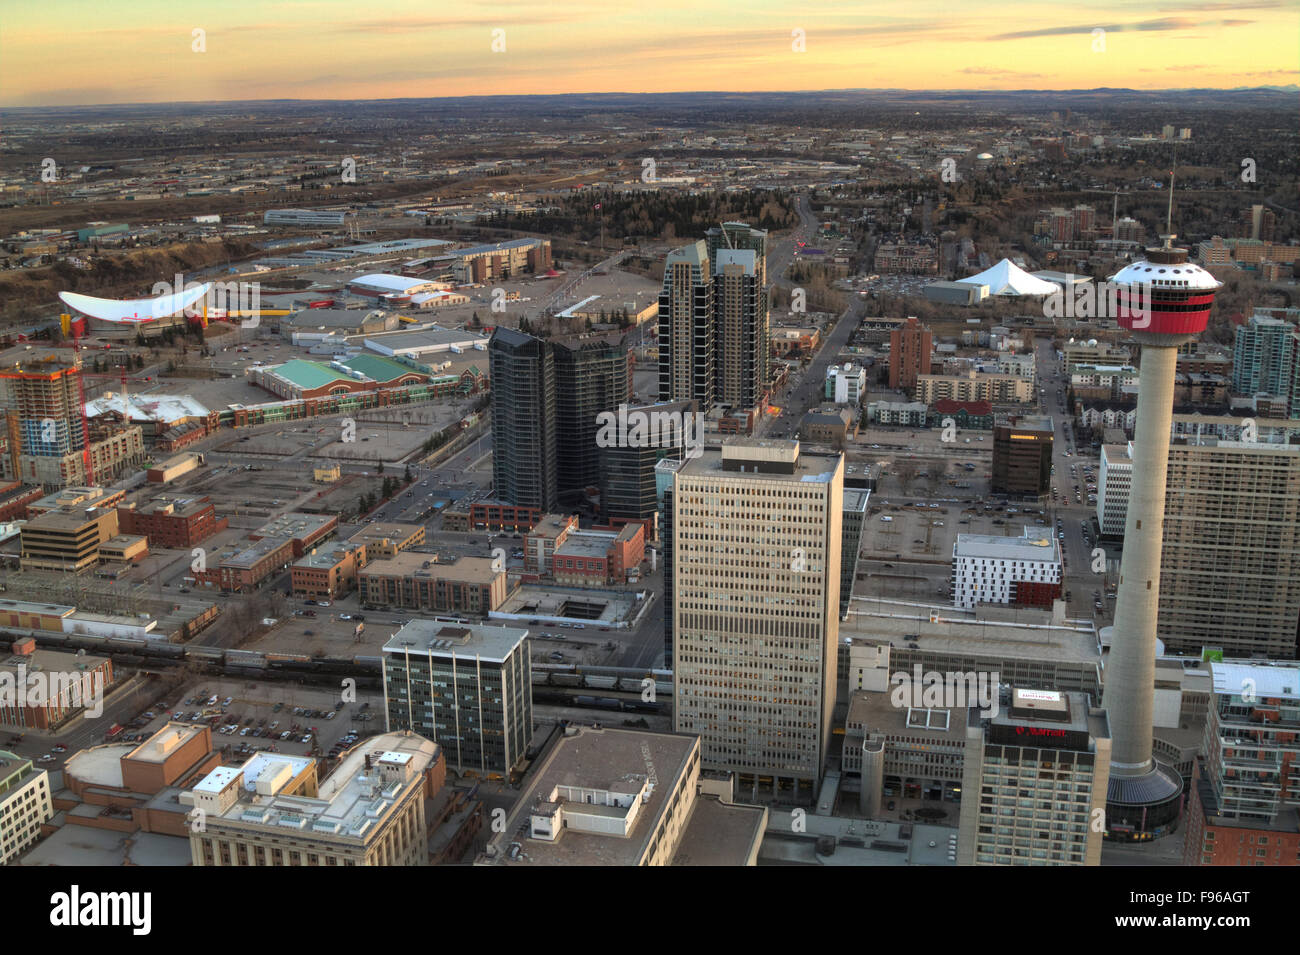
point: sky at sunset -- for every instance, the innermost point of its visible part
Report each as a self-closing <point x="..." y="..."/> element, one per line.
<point x="73" y="52"/>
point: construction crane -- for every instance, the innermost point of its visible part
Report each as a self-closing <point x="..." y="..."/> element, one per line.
<point x="77" y="331"/>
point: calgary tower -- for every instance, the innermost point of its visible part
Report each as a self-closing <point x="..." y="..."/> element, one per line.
<point x="1165" y="301"/>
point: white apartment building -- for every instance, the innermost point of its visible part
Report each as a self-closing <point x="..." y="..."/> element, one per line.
<point x="1123" y="418"/>
<point x="1114" y="482"/>
<point x="755" y="613"/>
<point x="846" y="384"/>
<point x="906" y="413"/>
<point x="24" y="804"/>
<point x="1112" y="377"/>
<point x="1022" y="570"/>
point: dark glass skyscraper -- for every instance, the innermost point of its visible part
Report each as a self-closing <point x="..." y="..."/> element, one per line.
<point x="523" y="420"/>
<point x="590" y="379"/>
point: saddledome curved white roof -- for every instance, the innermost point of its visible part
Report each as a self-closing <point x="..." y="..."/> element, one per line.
<point x="134" y="309"/>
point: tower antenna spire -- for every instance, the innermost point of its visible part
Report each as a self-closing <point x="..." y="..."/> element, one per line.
<point x="1169" y="216"/>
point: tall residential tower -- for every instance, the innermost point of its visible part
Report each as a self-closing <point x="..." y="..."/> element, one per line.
<point x="714" y="336"/>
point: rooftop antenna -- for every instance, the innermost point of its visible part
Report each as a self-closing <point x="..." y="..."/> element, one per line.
<point x="1169" y="216"/>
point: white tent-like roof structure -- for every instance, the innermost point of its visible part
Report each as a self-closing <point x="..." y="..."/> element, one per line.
<point x="1006" y="278"/>
<point x="134" y="310"/>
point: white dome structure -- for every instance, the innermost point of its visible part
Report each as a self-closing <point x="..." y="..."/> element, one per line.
<point x="1007" y="278"/>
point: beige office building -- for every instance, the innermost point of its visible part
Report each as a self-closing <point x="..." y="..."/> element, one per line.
<point x="1230" y="566"/>
<point x="755" y="614"/>
<point x="25" y="804"/>
<point x="67" y="540"/>
<point x="1034" y="782"/>
<point x="370" y="811"/>
<point x="973" y="386"/>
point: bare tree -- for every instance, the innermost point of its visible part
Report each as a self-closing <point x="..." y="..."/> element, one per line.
<point x="936" y="474"/>
<point x="905" y="472"/>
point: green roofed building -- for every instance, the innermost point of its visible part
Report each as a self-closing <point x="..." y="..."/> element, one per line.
<point x="388" y="372"/>
<point x="299" y="378"/>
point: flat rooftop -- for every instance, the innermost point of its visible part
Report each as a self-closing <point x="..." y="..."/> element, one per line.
<point x="591" y="758"/>
<point x="427" y="339"/>
<point x="27" y="606"/>
<point x="459" y="639"/>
<point x="351" y="803"/>
<point x="601" y="607"/>
<point x="99" y="765"/>
<point x="176" y="506"/>
<point x="877" y="712"/>
<point x="51" y="661"/>
<point x="166" y="741"/>
<point x="69" y="519"/>
<point x="586" y="544"/>
<point x="1053" y="710"/>
<point x="297" y="525"/>
<point x="148" y="407"/>
<point x="380" y="532"/>
<point x="1034" y="545"/>
<point x="258" y="763"/>
<point x="326" y="555"/>
<point x="549" y="525"/>
<point x="74" y="845"/>
<point x="767" y="455"/>
<point x="414" y="564"/>
<point x="719" y="834"/>
<point x="249" y="556"/>
<point x="960" y="633"/>
<point x="1270" y="682"/>
<point x="855" y="500"/>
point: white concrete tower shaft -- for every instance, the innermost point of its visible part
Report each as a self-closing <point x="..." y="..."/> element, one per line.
<point x="1130" y="671"/>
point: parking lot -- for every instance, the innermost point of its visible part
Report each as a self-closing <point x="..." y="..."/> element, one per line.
<point x="277" y="717"/>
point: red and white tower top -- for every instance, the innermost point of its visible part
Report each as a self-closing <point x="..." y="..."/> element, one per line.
<point x="1164" y="299"/>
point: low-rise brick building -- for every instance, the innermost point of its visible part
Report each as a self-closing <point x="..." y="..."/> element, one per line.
<point x="420" y="582"/>
<point x="176" y="522"/>
<point x="327" y="571"/>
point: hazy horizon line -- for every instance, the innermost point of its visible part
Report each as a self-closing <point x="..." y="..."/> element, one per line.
<point x="1285" y="88"/>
